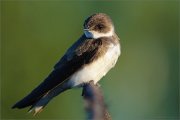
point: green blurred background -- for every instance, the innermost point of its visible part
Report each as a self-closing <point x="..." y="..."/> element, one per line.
<point x="143" y="85"/>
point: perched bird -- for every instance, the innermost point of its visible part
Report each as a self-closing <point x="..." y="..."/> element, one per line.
<point x="89" y="58"/>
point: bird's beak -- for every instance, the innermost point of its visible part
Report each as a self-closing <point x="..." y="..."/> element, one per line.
<point x="86" y="29"/>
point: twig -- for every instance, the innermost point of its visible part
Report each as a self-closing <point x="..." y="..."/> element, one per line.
<point x="94" y="102"/>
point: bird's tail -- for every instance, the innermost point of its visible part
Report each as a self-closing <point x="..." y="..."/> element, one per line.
<point x="38" y="106"/>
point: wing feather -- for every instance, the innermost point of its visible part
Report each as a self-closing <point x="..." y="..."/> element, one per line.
<point x="81" y="53"/>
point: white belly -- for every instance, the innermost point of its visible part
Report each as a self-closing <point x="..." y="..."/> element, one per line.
<point x="97" y="69"/>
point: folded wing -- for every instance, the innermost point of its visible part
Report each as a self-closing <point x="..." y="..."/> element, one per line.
<point x="81" y="53"/>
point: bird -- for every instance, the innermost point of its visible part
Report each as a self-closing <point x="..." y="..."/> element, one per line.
<point x="88" y="59"/>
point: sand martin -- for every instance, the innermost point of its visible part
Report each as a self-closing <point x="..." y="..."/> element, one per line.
<point x="89" y="58"/>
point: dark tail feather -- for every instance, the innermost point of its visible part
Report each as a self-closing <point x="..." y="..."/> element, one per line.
<point x="38" y="104"/>
<point x="47" y="85"/>
<point x="24" y="103"/>
<point x="41" y="103"/>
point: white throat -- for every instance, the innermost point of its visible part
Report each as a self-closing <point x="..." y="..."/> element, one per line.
<point x="96" y="35"/>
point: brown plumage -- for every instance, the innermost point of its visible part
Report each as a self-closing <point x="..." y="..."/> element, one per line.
<point x="82" y="53"/>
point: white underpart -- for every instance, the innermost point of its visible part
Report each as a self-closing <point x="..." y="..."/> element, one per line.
<point x="97" y="69"/>
<point x="94" y="71"/>
<point x="95" y="34"/>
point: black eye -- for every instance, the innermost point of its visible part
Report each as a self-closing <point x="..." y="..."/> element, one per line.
<point x="100" y="26"/>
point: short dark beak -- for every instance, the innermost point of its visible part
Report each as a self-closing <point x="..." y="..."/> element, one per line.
<point x="86" y="29"/>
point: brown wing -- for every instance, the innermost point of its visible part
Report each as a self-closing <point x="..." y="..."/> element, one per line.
<point x="73" y="60"/>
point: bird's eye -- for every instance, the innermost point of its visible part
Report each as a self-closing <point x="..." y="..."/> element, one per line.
<point x="100" y="26"/>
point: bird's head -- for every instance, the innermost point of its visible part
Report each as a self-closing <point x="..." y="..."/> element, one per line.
<point x="98" y="25"/>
